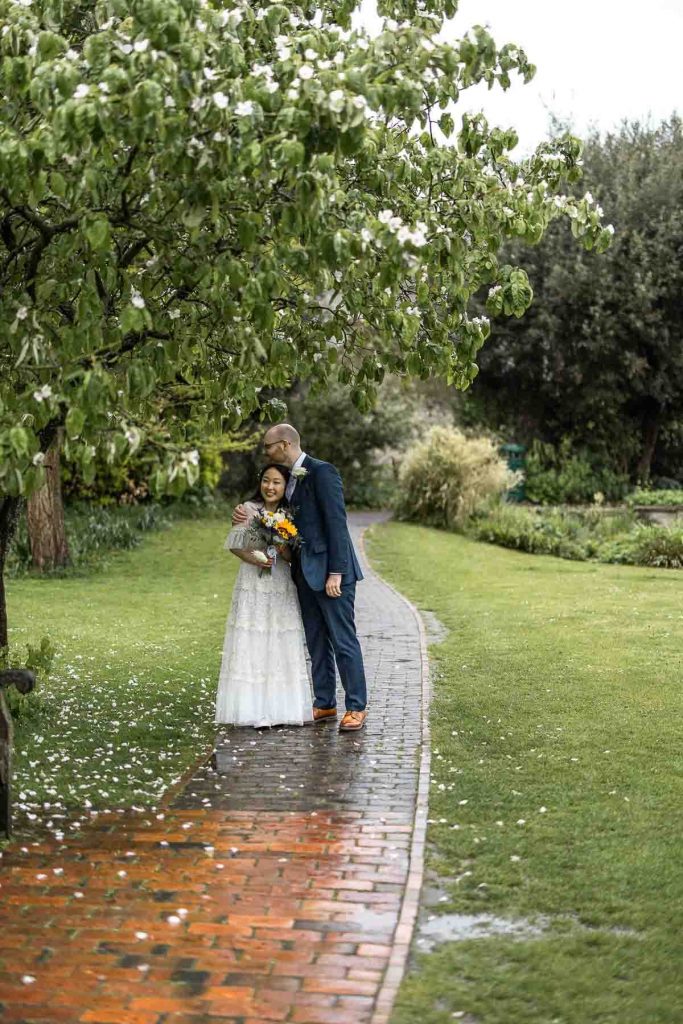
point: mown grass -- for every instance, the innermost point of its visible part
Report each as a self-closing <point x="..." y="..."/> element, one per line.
<point x="556" y="790"/>
<point x="129" y="703"/>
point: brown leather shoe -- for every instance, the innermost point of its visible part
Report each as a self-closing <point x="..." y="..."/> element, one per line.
<point x="322" y="714"/>
<point x="353" y="721"/>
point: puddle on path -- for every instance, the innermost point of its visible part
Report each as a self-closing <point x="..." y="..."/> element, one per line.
<point x="462" y="927"/>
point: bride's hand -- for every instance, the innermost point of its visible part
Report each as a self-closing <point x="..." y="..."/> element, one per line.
<point x="239" y="516"/>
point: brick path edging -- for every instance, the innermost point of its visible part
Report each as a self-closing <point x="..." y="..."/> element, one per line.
<point x="411" y="898"/>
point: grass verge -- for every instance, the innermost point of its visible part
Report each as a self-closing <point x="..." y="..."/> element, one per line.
<point x="556" y="790"/>
<point x="130" y="701"/>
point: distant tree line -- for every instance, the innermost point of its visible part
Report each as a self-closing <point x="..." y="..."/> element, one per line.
<point x="598" y="359"/>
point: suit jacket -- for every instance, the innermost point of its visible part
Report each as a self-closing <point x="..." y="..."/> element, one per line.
<point x="320" y="515"/>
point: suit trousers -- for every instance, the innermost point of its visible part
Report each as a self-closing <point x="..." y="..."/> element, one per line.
<point x="330" y="628"/>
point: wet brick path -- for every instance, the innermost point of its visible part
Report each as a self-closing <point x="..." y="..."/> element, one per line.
<point x="269" y="890"/>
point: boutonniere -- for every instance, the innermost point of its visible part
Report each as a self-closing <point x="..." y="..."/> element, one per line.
<point x="299" y="473"/>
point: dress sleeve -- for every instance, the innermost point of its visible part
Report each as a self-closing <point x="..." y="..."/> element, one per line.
<point x="240" y="537"/>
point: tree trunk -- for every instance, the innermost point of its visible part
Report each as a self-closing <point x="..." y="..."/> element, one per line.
<point x="652" y="414"/>
<point x="45" y="508"/>
<point x="9" y="514"/>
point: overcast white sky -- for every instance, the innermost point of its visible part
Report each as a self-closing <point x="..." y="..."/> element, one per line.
<point x="599" y="61"/>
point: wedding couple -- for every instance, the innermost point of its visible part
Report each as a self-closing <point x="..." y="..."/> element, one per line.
<point x="307" y="589"/>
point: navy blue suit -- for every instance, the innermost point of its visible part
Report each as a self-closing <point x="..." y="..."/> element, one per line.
<point x="329" y="622"/>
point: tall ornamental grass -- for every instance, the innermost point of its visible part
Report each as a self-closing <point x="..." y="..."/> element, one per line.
<point x="448" y="476"/>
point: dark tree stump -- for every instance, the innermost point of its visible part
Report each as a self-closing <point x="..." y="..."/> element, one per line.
<point x="24" y="682"/>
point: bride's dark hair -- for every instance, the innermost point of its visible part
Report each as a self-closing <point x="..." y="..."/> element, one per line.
<point x="284" y="470"/>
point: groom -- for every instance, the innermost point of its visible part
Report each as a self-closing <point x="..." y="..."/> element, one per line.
<point x="325" y="570"/>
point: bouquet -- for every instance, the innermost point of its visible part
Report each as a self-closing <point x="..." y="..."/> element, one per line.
<point x="276" y="530"/>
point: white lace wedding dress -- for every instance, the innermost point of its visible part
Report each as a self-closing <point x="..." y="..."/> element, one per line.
<point x="264" y="678"/>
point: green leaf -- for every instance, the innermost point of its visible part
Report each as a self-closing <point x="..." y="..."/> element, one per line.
<point x="75" y="421"/>
<point x="19" y="440"/>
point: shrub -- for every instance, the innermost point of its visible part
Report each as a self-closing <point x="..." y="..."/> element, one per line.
<point x="580" y="535"/>
<point x="92" y="531"/>
<point x="643" y="496"/>
<point x="558" y="475"/>
<point x="658" y="546"/>
<point x="524" y="530"/>
<point x="448" y="476"/>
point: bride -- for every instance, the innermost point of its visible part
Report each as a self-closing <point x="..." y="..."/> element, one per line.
<point x="264" y="678"/>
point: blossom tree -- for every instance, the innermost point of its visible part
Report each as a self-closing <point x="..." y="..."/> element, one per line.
<point x="200" y="201"/>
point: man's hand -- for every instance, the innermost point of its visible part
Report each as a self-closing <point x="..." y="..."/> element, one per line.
<point x="239" y="516"/>
<point x="333" y="585"/>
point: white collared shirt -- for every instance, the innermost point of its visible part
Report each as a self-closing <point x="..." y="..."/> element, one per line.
<point x="291" y="483"/>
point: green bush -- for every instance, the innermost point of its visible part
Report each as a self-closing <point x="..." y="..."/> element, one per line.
<point x="658" y="546"/>
<point x="92" y="530"/>
<point x="448" y="476"/>
<point x="580" y="535"/>
<point x="558" y="475"/>
<point x="643" y="496"/>
<point x="524" y="530"/>
<point x="37" y="658"/>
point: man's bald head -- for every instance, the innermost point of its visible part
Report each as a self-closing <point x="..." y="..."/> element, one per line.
<point x="284" y="431"/>
<point x="282" y="443"/>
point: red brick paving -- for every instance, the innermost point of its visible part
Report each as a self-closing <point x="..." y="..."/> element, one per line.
<point x="265" y="901"/>
<point x="267" y="930"/>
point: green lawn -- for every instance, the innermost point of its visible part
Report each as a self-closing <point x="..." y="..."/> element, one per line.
<point x="130" y="701"/>
<point x="556" y="790"/>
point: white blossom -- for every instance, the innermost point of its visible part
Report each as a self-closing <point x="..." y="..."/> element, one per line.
<point x="306" y="72"/>
<point x="210" y="75"/>
<point x="38" y="459"/>
<point x="137" y="299"/>
<point x="221" y="100"/>
<point x="337" y="100"/>
<point x="22" y="313"/>
<point x="43" y="393"/>
<point x="245" y="108"/>
<point x="141" y="45"/>
<point x="81" y="91"/>
<point x="234" y="17"/>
